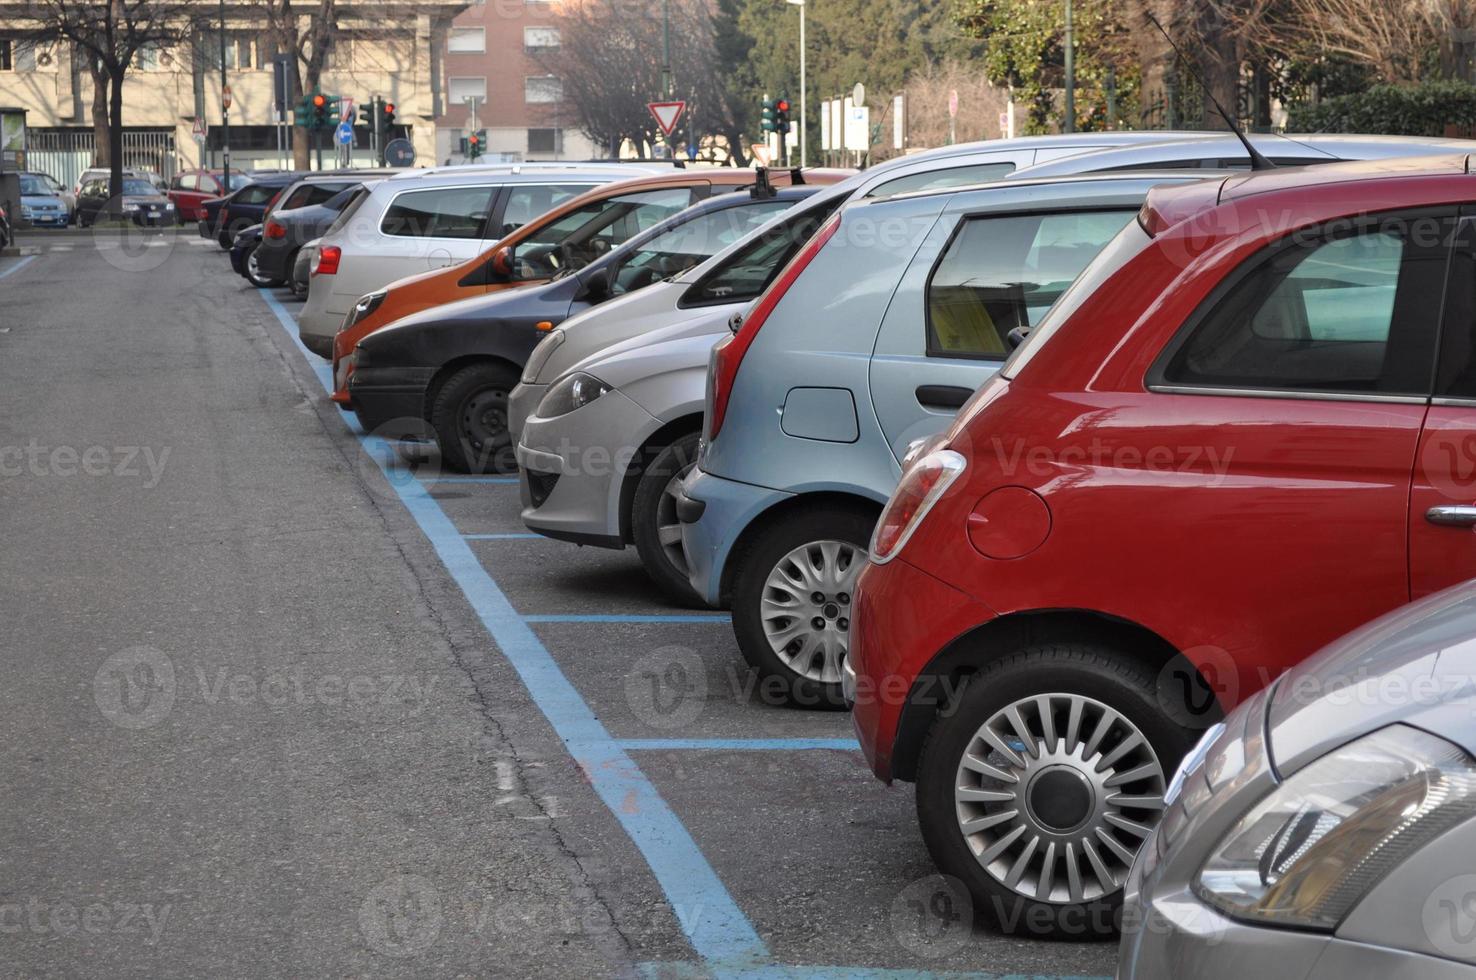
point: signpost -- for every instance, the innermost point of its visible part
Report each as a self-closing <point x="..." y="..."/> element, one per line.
<point x="667" y="114"/>
<point x="953" y="117"/>
<point x="399" y="153"/>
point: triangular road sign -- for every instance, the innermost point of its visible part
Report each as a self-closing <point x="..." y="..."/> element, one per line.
<point x="667" y="114"/>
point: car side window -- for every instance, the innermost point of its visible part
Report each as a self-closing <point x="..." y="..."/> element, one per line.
<point x="298" y="198"/>
<point x="441" y="212"/>
<point x="527" y="201"/>
<point x="744" y="275"/>
<point x="319" y="193"/>
<point x="678" y="249"/>
<point x="574" y="240"/>
<point x="977" y="173"/>
<point x="1000" y="274"/>
<point x="1343" y="311"/>
<point x="1455" y="375"/>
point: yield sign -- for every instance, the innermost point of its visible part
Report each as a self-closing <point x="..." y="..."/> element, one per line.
<point x="667" y="114"/>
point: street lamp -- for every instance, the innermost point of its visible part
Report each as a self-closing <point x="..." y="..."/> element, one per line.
<point x="802" y="134"/>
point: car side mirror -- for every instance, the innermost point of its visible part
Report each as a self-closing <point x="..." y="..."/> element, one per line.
<point x="502" y="262"/>
<point x="1017" y="336"/>
<point x="601" y="285"/>
<point x="735" y="321"/>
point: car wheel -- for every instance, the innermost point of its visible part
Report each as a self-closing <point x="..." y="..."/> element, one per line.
<point x="470" y="418"/>
<point x="1037" y="787"/>
<point x="299" y="289"/>
<point x="653" y="520"/>
<point x="254" y="274"/>
<point x="792" y="600"/>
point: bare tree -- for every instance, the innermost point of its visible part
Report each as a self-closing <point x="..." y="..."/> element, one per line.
<point x="1393" y="38"/>
<point x="979" y="104"/>
<point x="609" y="63"/>
<point x="110" y="34"/>
<point x="308" y="32"/>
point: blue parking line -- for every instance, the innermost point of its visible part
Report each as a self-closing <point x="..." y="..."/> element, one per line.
<point x="709" y="917"/>
<point x="600" y="618"/>
<point x="737" y="744"/>
<point x="714" y="925"/>
<point x="499" y="537"/>
<point x="470" y="479"/>
<point x="18" y="266"/>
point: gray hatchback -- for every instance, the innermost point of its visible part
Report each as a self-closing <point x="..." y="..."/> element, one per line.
<point x="1325" y="830"/>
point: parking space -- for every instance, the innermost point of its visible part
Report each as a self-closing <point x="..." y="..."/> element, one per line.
<point x="770" y="845"/>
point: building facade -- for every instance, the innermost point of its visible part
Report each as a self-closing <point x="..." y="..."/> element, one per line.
<point x="500" y="80"/>
<point x="390" y="49"/>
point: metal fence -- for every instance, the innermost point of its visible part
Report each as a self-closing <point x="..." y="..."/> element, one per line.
<point x="65" y="153"/>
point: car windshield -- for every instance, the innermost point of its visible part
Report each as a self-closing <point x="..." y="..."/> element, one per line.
<point x="34" y="186"/>
<point x="139" y="187"/>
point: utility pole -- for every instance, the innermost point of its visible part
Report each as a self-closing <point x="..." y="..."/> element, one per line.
<point x="225" y="107"/>
<point x="666" y="81"/>
<point x="1070" y="126"/>
<point x="803" y="132"/>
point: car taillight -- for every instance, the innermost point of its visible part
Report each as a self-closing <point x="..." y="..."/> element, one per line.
<point x="274" y="230"/>
<point x="326" y="264"/>
<point x="919" y="490"/>
<point x="728" y="353"/>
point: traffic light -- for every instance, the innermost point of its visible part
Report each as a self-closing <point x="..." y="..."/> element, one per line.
<point x="475" y="145"/>
<point x="781" y="115"/>
<point x="366" y="114"/>
<point x="320" y="110"/>
<point x="768" y="119"/>
<point x="386" y="120"/>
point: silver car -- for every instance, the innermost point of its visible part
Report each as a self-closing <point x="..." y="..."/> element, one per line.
<point x="1326" y="830"/>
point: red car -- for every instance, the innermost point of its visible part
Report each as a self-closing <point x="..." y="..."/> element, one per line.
<point x="192" y="188"/>
<point x="1249" y="427"/>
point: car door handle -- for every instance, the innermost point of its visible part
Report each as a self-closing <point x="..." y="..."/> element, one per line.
<point x="1452" y="515"/>
<point x="943" y="398"/>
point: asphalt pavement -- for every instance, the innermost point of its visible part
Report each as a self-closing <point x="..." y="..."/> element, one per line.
<point x="276" y="706"/>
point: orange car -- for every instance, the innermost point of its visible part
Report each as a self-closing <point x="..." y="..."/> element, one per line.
<point x="570" y="235"/>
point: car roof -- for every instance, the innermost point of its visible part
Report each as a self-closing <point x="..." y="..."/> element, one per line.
<point x="1311" y="147"/>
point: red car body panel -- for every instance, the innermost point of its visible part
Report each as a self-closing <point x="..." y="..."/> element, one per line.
<point x="1244" y="530"/>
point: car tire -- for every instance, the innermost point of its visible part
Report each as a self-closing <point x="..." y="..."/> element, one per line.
<point x="654" y="527"/>
<point x="824" y="547"/>
<point x="253" y="272"/>
<point x="469" y="415"/>
<point x="298" y="289"/>
<point x="1061" y="771"/>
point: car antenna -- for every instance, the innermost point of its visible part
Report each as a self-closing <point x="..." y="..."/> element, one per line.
<point x="1257" y="160"/>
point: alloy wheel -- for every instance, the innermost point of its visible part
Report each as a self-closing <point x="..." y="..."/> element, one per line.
<point x="1055" y="794"/>
<point x="806" y="607"/>
<point x="668" y="525"/>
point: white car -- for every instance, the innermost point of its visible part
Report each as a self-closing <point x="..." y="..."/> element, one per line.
<point x="419" y="220"/>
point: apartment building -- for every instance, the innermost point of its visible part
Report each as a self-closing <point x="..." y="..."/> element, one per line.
<point x="498" y="58"/>
<point x="391" y="49"/>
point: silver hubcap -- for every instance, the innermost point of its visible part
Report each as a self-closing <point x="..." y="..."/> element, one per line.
<point x="1055" y="794"/>
<point x="252" y="266"/>
<point x="668" y="526"/>
<point x="806" y="608"/>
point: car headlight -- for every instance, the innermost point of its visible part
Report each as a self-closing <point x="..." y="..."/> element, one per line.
<point x="168" y="205"/>
<point x="575" y="391"/>
<point x="538" y="360"/>
<point x="363" y="308"/>
<point x="1308" y="852"/>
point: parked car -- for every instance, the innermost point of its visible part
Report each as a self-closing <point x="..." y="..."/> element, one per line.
<point x="1238" y="435"/>
<point x="530" y="218"/>
<point x="41" y="203"/>
<point x="105" y="174"/>
<point x="452" y="367"/>
<point x="190" y="189"/>
<point x="226" y="217"/>
<point x="243" y="255"/>
<point x="1318" y="832"/>
<point x="246" y="248"/>
<point x="141" y="202"/>
<point x="650" y="350"/>
<point x="302" y="269"/>
<point x="6" y="238"/>
<point x="297" y="221"/>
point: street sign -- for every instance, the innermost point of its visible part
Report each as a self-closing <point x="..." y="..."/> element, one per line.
<point x="953" y="104"/>
<point x="761" y="153"/>
<point x="345" y="133"/>
<point x="200" y="129"/>
<point x="858" y="95"/>
<point x="667" y="114"/>
<point x="399" y="153"/>
<point x="346" y="109"/>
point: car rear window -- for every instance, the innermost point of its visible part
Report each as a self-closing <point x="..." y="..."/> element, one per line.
<point x="748" y="272"/>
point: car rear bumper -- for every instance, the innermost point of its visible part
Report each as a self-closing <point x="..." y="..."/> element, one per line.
<point x="572" y="469"/>
<point x="390" y="402"/>
<point x="318" y="324"/>
<point x="902" y="618"/>
<point x="271" y="259"/>
<point x="714" y="512"/>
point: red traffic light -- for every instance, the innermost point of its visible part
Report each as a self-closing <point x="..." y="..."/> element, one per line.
<point x="320" y="101"/>
<point x="389" y="107"/>
<point x="475" y="141"/>
<point x="782" y="105"/>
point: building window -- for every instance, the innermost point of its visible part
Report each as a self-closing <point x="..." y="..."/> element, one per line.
<point x="543" y="88"/>
<point x="458" y="90"/>
<point x="543" y="141"/>
<point x="469" y="40"/>
<point x="540" y="39"/>
<point x="7" y="54"/>
<point x="240" y="51"/>
<point x="18" y="55"/>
